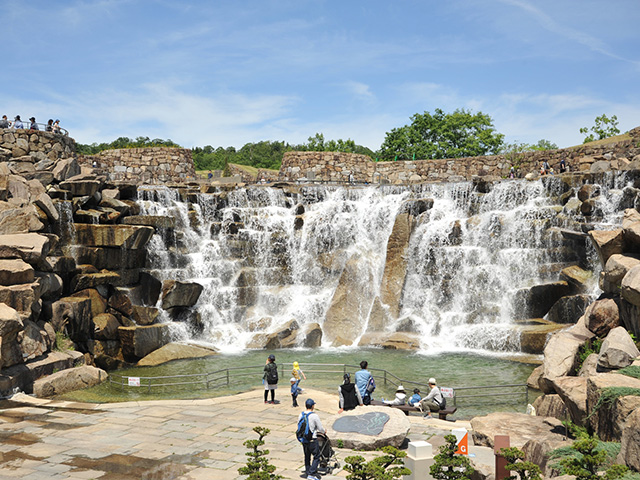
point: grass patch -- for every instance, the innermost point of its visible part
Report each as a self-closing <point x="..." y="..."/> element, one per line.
<point x="610" y="394"/>
<point x="606" y="141"/>
<point x="63" y="342"/>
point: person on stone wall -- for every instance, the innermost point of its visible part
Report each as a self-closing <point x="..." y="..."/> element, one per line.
<point x="49" y="127"/>
<point x="4" y="123"/>
<point x="56" y="126"/>
<point x="563" y="165"/>
<point x="34" y="125"/>
<point x="17" y="123"/>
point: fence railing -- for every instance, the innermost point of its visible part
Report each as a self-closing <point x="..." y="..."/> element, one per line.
<point x="234" y="376"/>
<point x="41" y="127"/>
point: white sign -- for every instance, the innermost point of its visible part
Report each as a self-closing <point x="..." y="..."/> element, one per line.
<point x="134" y="381"/>
<point x="446" y="392"/>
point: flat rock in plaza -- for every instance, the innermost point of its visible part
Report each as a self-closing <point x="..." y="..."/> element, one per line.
<point x="368" y="428"/>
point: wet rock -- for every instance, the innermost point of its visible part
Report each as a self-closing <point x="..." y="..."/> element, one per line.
<point x="51" y="285"/>
<point x="144" y="315"/>
<point x="175" y="351"/>
<point x="98" y="302"/>
<point x="125" y="236"/>
<point x="618" y="350"/>
<point x="180" y="294"/>
<point x="588" y="191"/>
<point x="138" y="342"/>
<point x="30" y="247"/>
<point x="147" y="292"/>
<point x="534" y="378"/>
<point x="120" y="302"/>
<point x="73" y="316"/>
<point x="84" y="281"/>
<point x="576" y="276"/>
<point x="156" y="221"/>
<point x="536" y="301"/>
<point x="533" y="338"/>
<point x="401" y="341"/>
<point x="68" y="380"/>
<point x="284" y="337"/>
<point x="106" y="327"/>
<point x="569" y="309"/>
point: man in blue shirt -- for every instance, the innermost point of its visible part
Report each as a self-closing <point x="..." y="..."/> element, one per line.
<point x="362" y="380"/>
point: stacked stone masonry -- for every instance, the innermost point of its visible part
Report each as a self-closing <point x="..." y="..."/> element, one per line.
<point x="144" y="165"/>
<point x="19" y="143"/>
<point x="337" y="167"/>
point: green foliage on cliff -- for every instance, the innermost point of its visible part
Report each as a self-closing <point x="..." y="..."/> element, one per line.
<point x="604" y="127"/>
<point x="589" y="459"/>
<point x="611" y="394"/>
<point x="630" y="371"/>
<point x="523" y="470"/>
<point x="443" y="135"/>
<point x="124" y="142"/>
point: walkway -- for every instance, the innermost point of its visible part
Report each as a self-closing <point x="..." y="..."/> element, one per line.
<point x="162" y="440"/>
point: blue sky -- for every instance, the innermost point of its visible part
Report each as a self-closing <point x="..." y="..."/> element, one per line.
<point x="225" y="73"/>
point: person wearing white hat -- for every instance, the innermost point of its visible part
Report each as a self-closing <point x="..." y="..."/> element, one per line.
<point x="401" y="397"/>
<point x="432" y="402"/>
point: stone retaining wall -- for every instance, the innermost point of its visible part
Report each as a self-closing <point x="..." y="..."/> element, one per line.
<point x="18" y="143"/>
<point x="335" y="166"/>
<point x="144" y="165"/>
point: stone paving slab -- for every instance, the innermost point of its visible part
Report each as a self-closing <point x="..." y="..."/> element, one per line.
<point x="163" y="439"/>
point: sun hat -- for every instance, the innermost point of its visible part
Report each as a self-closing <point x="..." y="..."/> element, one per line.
<point x="432" y="381"/>
<point x="309" y="403"/>
<point x="293" y="379"/>
<point x="400" y="388"/>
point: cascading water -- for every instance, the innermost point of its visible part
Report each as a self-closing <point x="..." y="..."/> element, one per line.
<point x="266" y="256"/>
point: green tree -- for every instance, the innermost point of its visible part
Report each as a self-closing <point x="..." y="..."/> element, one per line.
<point x="443" y="135"/>
<point x="385" y="467"/>
<point x="449" y="466"/>
<point x="524" y="470"/>
<point x="604" y="127"/>
<point x="258" y="466"/>
<point x="589" y="460"/>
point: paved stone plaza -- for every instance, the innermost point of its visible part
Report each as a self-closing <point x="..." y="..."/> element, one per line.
<point x="161" y="440"/>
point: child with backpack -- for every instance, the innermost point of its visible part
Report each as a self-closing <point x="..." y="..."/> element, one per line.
<point x="270" y="378"/>
<point x="295" y="391"/>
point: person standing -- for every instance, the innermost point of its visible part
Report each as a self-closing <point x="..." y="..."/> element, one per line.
<point x="270" y="378"/>
<point x="4" y="123"/>
<point x="350" y="396"/>
<point x="49" y="127"/>
<point x="363" y="376"/>
<point x="34" y="125"/>
<point x="17" y="123"/>
<point x="312" y="448"/>
<point x="563" y="165"/>
<point x="433" y="401"/>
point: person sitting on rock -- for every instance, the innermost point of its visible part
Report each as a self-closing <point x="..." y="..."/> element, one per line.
<point x="362" y="380"/>
<point x="401" y="397"/>
<point x="432" y="402"/>
<point x="49" y="127"/>
<point x="56" y="126"/>
<point x="350" y="396"/>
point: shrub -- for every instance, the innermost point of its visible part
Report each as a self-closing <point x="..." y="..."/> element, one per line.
<point x="524" y="470"/>
<point x="589" y="459"/>
<point x="449" y="466"/>
<point x="385" y="467"/>
<point x="258" y="466"/>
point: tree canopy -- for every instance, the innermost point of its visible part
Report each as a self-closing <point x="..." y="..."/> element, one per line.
<point x="124" y="142"/>
<point x="443" y="135"/>
<point x="604" y="127"/>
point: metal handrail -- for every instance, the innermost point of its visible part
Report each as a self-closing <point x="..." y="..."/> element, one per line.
<point x="223" y="376"/>
<point x="42" y="128"/>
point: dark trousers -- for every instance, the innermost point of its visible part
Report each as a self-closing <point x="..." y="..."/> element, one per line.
<point x="294" y="397"/>
<point x="311" y="448"/>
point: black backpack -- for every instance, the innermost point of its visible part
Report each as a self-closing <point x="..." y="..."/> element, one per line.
<point x="304" y="433"/>
<point x="272" y="374"/>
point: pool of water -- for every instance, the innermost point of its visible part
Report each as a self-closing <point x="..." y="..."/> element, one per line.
<point x="457" y="370"/>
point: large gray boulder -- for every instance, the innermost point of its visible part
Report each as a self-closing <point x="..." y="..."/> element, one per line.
<point x="33" y="341"/>
<point x="520" y="427"/>
<point x="536" y="301"/>
<point x="68" y="380"/>
<point x="30" y="247"/>
<point x="630" y="442"/>
<point x="138" y="342"/>
<point x="180" y="294"/>
<point x="175" y="351"/>
<point x="394" y="432"/>
<point x="121" y="236"/>
<point x="560" y="354"/>
<point x="550" y="405"/>
<point x="569" y="309"/>
<point x="618" y="350"/>
<point x="630" y="286"/>
<point x="14" y="271"/>
<point x="573" y="391"/>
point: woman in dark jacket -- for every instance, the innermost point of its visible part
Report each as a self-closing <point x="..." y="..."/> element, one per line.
<point x="270" y="378"/>
<point x="350" y="396"/>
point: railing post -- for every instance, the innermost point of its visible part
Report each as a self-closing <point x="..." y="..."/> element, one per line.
<point x="526" y="394"/>
<point x="227" y="377"/>
<point x="385" y="378"/>
<point x="149" y="385"/>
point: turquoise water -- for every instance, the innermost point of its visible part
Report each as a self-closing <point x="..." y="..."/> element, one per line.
<point x="454" y="370"/>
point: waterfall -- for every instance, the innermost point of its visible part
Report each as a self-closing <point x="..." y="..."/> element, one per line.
<point x="267" y="255"/>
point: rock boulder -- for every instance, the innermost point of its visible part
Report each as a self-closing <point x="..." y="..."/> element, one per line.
<point x="68" y="380"/>
<point x="618" y="350"/>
